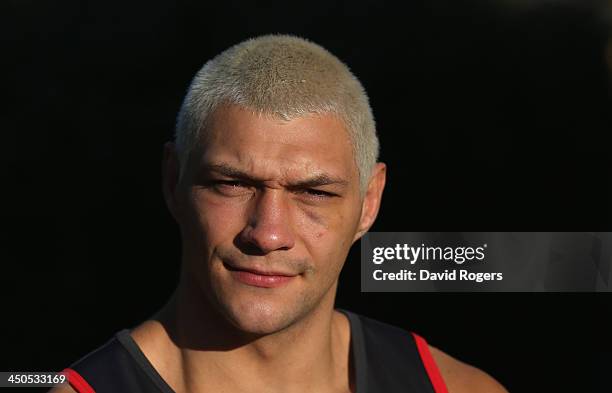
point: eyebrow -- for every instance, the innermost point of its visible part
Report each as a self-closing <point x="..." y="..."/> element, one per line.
<point x="317" y="180"/>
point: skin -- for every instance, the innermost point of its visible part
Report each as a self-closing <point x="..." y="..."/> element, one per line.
<point x="262" y="193"/>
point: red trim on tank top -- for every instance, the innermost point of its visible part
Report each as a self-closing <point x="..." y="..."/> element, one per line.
<point x="77" y="382"/>
<point x="430" y="364"/>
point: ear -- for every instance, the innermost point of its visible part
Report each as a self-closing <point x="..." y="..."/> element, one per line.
<point x="371" y="200"/>
<point x="170" y="177"/>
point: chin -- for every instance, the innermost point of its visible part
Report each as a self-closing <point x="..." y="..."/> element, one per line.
<point x="261" y="317"/>
<point x="259" y="311"/>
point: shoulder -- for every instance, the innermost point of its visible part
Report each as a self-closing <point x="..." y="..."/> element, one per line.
<point x="463" y="378"/>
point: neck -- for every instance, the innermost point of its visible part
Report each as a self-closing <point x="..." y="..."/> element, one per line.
<point x="203" y="350"/>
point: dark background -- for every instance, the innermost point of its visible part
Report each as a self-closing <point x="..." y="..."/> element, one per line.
<point x="492" y="116"/>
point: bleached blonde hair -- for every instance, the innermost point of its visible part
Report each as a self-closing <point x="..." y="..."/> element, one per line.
<point x="284" y="76"/>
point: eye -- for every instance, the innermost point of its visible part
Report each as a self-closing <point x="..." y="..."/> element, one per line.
<point x="230" y="187"/>
<point x="230" y="183"/>
<point x="317" y="194"/>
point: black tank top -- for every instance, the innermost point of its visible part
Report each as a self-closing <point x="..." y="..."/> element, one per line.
<point x="386" y="359"/>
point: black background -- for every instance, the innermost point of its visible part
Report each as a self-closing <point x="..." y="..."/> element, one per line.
<point x="492" y="116"/>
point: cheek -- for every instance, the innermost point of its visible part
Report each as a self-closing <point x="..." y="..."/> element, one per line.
<point x="214" y="221"/>
<point x="327" y="237"/>
<point x="336" y="221"/>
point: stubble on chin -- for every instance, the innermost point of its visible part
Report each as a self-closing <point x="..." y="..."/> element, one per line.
<point x="262" y="311"/>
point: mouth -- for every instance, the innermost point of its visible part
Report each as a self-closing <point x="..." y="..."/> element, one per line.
<point x="260" y="277"/>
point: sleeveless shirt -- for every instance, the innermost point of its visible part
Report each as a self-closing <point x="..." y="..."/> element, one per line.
<point x="385" y="358"/>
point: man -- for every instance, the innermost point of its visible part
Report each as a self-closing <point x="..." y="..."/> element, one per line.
<point x="272" y="177"/>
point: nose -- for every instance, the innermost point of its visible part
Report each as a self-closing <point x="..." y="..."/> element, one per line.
<point x="269" y="225"/>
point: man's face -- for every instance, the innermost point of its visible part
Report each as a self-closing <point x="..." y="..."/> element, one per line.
<point x="270" y="211"/>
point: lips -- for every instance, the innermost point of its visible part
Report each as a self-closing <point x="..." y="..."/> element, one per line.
<point x="260" y="277"/>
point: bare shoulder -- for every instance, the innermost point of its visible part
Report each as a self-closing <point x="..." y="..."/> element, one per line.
<point x="463" y="378"/>
<point x="62" y="389"/>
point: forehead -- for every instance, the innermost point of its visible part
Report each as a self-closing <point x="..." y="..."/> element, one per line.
<point x="269" y="147"/>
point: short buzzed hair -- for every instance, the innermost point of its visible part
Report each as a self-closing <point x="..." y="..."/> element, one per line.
<point x="286" y="77"/>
